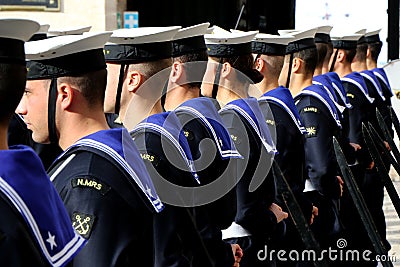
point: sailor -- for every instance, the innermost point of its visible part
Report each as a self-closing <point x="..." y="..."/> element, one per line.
<point x="212" y="148"/>
<point x="320" y="117"/>
<point x="374" y="48"/>
<point x="335" y="91"/>
<point x="163" y="146"/>
<point x="283" y="119"/>
<point x="100" y="176"/>
<point x="132" y="68"/>
<point x="373" y="188"/>
<point x="18" y="132"/>
<point x="181" y="237"/>
<point x="357" y="93"/>
<point x="324" y="49"/>
<point x="34" y="226"/>
<point x="228" y="77"/>
<point x="188" y="46"/>
<point x="375" y="91"/>
<point x="345" y="50"/>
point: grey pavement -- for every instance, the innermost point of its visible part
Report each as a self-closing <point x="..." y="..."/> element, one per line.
<point x="393" y="221"/>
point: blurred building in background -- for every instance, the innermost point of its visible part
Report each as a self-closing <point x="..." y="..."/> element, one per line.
<point x="264" y="15"/>
<point x="268" y="16"/>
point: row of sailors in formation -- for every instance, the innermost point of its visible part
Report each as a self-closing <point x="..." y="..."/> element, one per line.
<point x="190" y="186"/>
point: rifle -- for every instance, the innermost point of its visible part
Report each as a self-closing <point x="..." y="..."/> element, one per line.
<point x="395" y="121"/>
<point x="387" y="135"/>
<point x="359" y="203"/>
<point x="296" y="213"/>
<point x="381" y="169"/>
<point x="382" y="147"/>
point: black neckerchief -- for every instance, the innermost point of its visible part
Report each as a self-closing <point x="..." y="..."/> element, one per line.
<point x="122" y="72"/>
<point x="334" y="60"/>
<point x="289" y="71"/>
<point x="51" y="113"/>
<point x="216" y="79"/>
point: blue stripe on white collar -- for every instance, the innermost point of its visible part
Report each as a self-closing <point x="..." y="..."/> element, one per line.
<point x="204" y="109"/>
<point x="372" y="78"/>
<point x="381" y="74"/>
<point x="331" y="93"/>
<point x="282" y="96"/>
<point x="356" y="79"/>
<point x="320" y="93"/>
<point x="168" y="125"/>
<point x="327" y="83"/>
<point x="250" y="110"/>
<point x="338" y="86"/>
<point x="118" y="144"/>
<point x="25" y="183"/>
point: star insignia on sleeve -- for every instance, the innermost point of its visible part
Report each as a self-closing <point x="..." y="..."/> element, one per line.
<point x="311" y="131"/>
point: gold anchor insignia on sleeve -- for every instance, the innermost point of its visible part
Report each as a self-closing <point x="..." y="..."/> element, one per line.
<point x="83" y="223"/>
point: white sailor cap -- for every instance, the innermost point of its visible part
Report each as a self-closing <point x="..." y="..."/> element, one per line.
<point x="235" y="31"/>
<point x="44" y="28"/>
<point x="216" y="30"/>
<point x="361" y="31"/>
<point x="226" y="44"/>
<point x="18" y="29"/>
<point x="323" y="34"/>
<point x="362" y="38"/>
<point x="189" y="40"/>
<point x="347" y="42"/>
<point x="69" y="31"/>
<point x="287" y="31"/>
<point x="302" y="40"/>
<point x="66" y="55"/>
<point x="192" y="31"/>
<point x="141" y="44"/>
<point x="13" y="34"/>
<point x="41" y="33"/>
<point x="143" y="35"/>
<point x="269" y="44"/>
<point x="372" y="36"/>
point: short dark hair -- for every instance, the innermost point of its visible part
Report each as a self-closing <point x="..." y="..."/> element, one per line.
<point x="322" y="50"/>
<point x="361" y="52"/>
<point x="196" y="73"/>
<point x="275" y="64"/>
<point x="375" y="49"/>
<point x="12" y="87"/>
<point x="310" y="57"/>
<point x="350" y="54"/>
<point x="92" y="85"/>
<point x="243" y="63"/>
<point x="148" y="69"/>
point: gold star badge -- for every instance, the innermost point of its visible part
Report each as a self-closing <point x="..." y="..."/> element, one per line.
<point x="311" y="131"/>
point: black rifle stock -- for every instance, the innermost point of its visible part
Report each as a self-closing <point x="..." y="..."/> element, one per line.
<point x="359" y="203"/>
